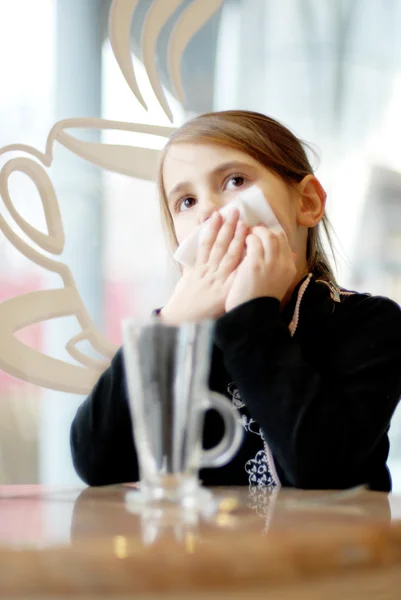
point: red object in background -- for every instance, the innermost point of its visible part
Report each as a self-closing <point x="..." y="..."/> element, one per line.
<point x="118" y="306"/>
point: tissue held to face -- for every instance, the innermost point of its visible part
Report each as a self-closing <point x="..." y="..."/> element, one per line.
<point x="200" y="179"/>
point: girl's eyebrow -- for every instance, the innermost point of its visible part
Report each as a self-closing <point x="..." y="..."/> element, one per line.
<point x="222" y="168"/>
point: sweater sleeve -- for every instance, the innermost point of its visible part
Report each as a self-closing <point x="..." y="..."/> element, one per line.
<point x="102" y="446"/>
<point x="322" y="424"/>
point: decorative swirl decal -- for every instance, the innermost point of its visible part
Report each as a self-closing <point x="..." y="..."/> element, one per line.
<point x="189" y="23"/>
<point x="157" y="16"/>
<point x="16" y="313"/>
<point x="16" y="358"/>
<point x="120" y="18"/>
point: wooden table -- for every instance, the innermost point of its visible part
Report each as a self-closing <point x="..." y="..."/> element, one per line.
<point x="64" y="543"/>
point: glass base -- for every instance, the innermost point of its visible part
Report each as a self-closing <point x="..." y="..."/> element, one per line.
<point x="167" y="491"/>
<point x="173" y="509"/>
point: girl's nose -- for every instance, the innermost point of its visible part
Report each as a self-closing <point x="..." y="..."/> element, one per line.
<point x="208" y="207"/>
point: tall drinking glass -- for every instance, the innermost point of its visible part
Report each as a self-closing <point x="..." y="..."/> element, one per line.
<point x="167" y="369"/>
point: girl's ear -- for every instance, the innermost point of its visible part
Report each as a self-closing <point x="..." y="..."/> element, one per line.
<point x="311" y="201"/>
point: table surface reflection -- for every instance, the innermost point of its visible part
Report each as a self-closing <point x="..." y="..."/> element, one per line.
<point x="88" y="543"/>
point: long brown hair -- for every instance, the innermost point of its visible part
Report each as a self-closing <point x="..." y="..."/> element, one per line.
<point x="273" y="146"/>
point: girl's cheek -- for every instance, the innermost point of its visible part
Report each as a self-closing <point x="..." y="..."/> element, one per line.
<point x="286" y="224"/>
<point x="288" y="221"/>
<point x="291" y="234"/>
<point x="182" y="230"/>
<point x="185" y="224"/>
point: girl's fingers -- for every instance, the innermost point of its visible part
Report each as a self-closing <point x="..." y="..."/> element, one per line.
<point x="285" y="251"/>
<point x="223" y="239"/>
<point x="285" y="257"/>
<point x="254" y="247"/>
<point x="208" y="237"/>
<point x="230" y="279"/>
<point x="269" y="241"/>
<point x="275" y="243"/>
<point x="235" y="251"/>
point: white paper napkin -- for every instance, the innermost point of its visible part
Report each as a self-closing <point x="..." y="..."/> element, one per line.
<point x="253" y="209"/>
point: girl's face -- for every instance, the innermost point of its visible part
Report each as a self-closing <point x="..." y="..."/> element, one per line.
<point x="202" y="178"/>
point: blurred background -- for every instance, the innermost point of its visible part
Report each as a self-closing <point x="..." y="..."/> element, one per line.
<point x="330" y="70"/>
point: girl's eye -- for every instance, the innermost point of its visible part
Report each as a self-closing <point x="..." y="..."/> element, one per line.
<point x="234" y="182"/>
<point x="186" y="203"/>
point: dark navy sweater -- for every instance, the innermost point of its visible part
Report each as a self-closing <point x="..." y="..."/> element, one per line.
<point x="316" y="406"/>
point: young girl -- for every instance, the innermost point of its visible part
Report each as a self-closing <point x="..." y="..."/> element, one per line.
<point x="314" y="371"/>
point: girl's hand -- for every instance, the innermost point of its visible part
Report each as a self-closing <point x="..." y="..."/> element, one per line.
<point x="267" y="270"/>
<point x="201" y="292"/>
